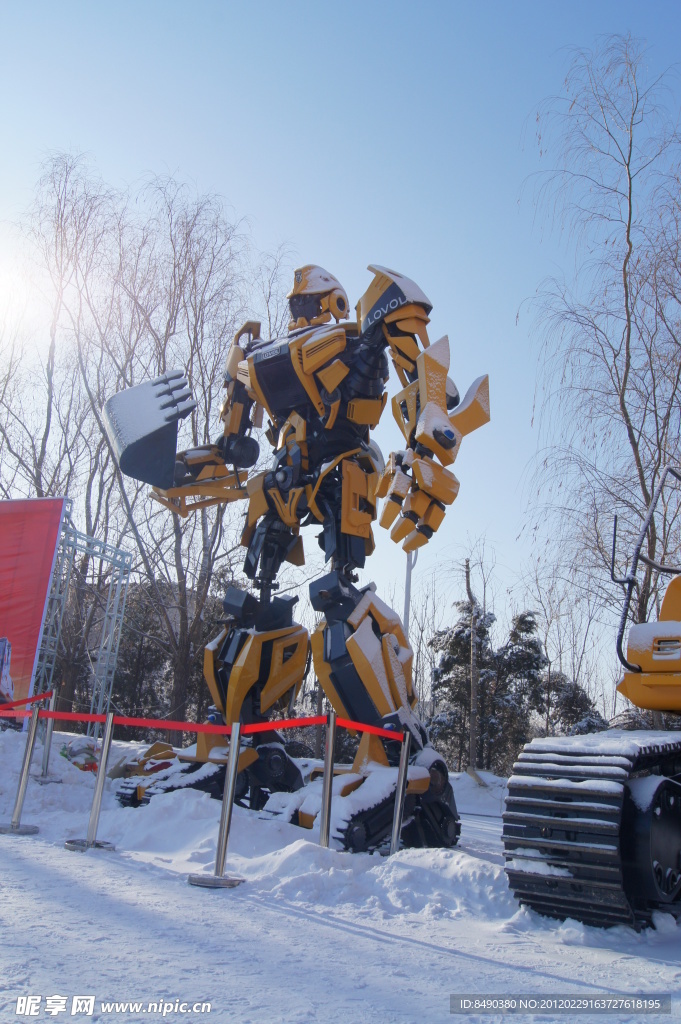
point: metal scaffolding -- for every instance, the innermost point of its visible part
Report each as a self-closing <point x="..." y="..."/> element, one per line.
<point x="71" y="543"/>
<point x="56" y="602"/>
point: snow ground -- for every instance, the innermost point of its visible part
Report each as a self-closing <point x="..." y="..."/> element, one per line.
<point x="313" y="935"/>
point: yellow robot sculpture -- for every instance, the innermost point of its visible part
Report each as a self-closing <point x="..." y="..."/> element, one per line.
<point x="322" y="389"/>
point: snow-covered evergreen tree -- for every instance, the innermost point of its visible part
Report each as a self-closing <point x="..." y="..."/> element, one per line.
<point x="572" y="710"/>
<point x="451" y="689"/>
<point x="513" y="693"/>
<point x="517" y="694"/>
<point x="509" y="689"/>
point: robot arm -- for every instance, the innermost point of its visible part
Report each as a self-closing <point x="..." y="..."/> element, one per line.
<point x="418" y="491"/>
<point x="142" y="421"/>
<point x="418" y="487"/>
<point x="417" y="482"/>
<point x="209" y="475"/>
<point x="240" y="410"/>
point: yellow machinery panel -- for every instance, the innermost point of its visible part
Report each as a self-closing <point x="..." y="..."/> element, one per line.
<point x="656" y="647"/>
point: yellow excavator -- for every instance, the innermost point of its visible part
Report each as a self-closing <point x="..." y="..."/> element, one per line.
<point x="592" y="826"/>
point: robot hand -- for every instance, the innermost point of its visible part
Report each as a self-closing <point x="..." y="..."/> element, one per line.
<point x="418" y="491"/>
<point x="202" y="478"/>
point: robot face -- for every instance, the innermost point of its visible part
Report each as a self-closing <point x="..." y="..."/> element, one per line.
<point x="316" y="296"/>
<point x="306" y="306"/>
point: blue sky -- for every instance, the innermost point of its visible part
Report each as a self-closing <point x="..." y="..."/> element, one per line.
<point x="383" y="132"/>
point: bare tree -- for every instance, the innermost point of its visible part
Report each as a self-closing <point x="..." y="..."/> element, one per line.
<point x="189" y="303"/>
<point x="428" y="613"/>
<point x="11" y="358"/>
<point x="138" y="284"/>
<point x="271" y="279"/>
<point x="570" y="633"/>
<point x="611" y="365"/>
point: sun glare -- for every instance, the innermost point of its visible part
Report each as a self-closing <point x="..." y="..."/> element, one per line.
<point x="21" y="304"/>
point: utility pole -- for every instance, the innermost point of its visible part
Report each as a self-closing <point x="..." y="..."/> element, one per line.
<point x="411" y="562"/>
<point x="473" y="734"/>
<point x="318" y="728"/>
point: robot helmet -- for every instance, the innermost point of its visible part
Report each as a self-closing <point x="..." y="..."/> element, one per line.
<point x="316" y="296"/>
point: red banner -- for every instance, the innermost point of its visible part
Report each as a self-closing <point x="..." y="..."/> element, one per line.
<point x="29" y="535"/>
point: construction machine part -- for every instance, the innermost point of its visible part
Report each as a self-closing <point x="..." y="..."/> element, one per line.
<point x="652" y="676"/>
<point x="275" y="771"/>
<point x="141" y="424"/>
<point x="269" y="768"/>
<point x="298" y="749"/>
<point x="434" y="820"/>
<point x="430" y="816"/>
<point x="592" y="827"/>
<point x="654" y="651"/>
<point x="168" y="776"/>
<point x="433" y="824"/>
<point x="370" y="829"/>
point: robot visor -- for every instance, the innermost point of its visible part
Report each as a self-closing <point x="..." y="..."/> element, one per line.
<point x="306" y="306"/>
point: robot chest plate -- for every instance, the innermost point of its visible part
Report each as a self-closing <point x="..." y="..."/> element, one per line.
<point x="276" y="378"/>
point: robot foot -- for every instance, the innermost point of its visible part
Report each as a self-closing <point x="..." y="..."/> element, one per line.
<point x="268" y="768"/>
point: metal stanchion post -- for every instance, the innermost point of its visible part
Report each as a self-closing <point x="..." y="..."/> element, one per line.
<point x="15" y="827"/>
<point x="318" y="728"/>
<point x="327" y="783"/>
<point x="45" y="776"/>
<point x="400" y="793"/>
<point x="219" y="880"/>
<point x="81" y="845"/>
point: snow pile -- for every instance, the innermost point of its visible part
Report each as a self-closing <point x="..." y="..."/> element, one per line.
<point x="313" y="935"/>
<point x="471" y="798"/>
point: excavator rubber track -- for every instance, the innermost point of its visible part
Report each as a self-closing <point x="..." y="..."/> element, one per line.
<point x="370" y="829"/>
<point x="137" y="790"/>
<point x="592" y="827"/>
<point x="427" y="823"/>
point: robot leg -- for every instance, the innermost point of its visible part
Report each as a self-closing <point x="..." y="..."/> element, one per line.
<point x="254" y="667"/>
<point x="363" y="661"/>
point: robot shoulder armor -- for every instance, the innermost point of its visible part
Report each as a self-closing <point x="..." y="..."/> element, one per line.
<point x="386" y="293"/>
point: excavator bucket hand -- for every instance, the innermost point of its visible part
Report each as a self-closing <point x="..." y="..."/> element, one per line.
<point x="141" y="423"/>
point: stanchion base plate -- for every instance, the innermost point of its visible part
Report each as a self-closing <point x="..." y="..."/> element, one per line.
<point x="20" y="830"/>
<point x="81" y="845"/>
<point x="215" y="881"/>
<point x="43" y="780"/>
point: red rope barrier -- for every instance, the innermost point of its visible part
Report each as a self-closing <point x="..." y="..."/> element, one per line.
<point x="389" y="734"/>
<point x="71" y="716"/>
<point x="161" y="723"/>
<point x="204" y="727"/>
<point x="26" y="700"/>
<point x="284" y="723"/>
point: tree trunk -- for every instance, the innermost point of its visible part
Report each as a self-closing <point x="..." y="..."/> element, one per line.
<point x="178" y="698"/>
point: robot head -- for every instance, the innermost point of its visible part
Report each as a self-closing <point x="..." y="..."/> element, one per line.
<point x="316" y="296"/>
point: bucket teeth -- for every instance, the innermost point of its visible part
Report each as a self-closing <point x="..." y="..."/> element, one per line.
<point x="141" y="423"/>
